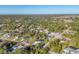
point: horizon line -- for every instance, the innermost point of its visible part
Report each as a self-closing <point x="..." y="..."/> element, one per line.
<point x="35" y="14"/>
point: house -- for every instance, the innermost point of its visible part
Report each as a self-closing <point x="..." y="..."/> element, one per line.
<point x="69" y="32"/>
<point x="16" y="37"/>
<point x="7" y="35"/>
<point x="54" y="35"/>
<point x="20" y="46"/>
<point x="71" y="50"/>
<point x="46" y="31"/>
<point x="11" y="49"/>
<point x="25" y="43"/>
<point x="36" y="42"/>
<point x="65" y="40"/>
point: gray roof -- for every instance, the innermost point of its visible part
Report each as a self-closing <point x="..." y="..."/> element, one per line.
<point x="71" y="50"/>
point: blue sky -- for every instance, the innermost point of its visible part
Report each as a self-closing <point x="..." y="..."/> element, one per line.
<point x="39" y="9"/>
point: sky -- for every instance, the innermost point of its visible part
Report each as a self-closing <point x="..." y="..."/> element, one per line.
<point x="39" y="9"/>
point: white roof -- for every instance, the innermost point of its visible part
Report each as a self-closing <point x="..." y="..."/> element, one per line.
<point x="36" y="42"/>
<point x="57" y="35"/>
